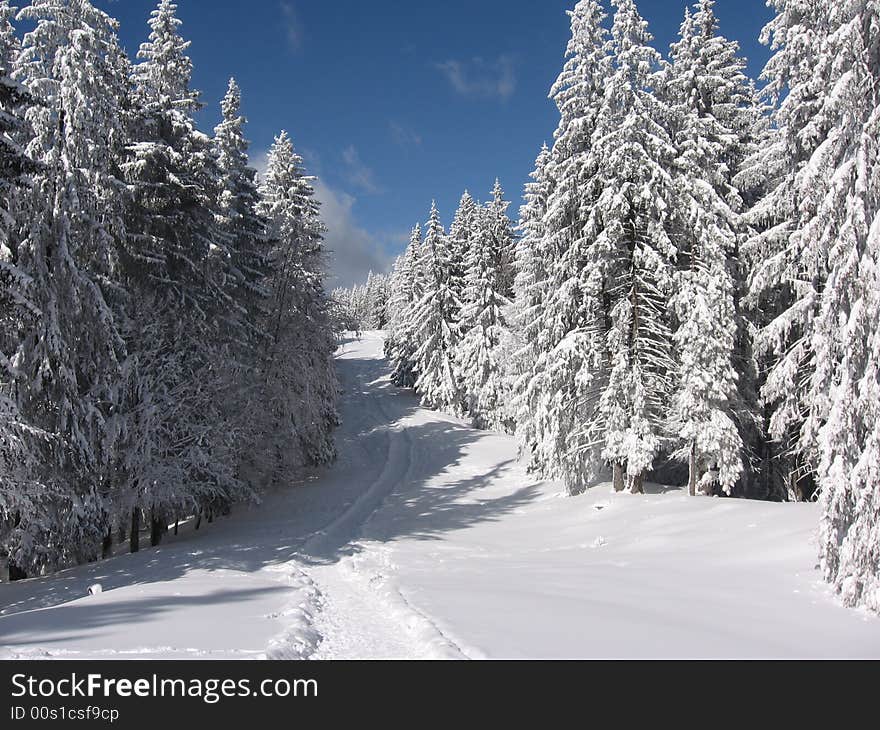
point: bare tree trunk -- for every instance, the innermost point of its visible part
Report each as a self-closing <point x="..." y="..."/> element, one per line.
<point x="637" y="484"/>
<point x="794" y="487"/>
<point x="176" y="525"/>
<point x="157" y="529"/>
<point x="198" y="520"/>
<point x="107" y="545"/>
<point x="617" y="471"/>
<point x="134" y="537"/>
<point x="692" y="471"/>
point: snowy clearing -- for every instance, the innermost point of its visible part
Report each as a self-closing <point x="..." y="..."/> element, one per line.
<point x="428" y="540"/>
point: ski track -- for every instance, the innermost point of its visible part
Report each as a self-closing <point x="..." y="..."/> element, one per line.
<point x="350" y="607"/>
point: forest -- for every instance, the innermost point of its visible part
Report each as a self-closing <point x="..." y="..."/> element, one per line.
<point x="691" y="292"/>
<point x="166" y="340"/>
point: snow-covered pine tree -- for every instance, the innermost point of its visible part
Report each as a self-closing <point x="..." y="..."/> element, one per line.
<point x="462" y="234"/>
<point x="532" y="266"/>
<point x="23" y="501"/>
<point x="435" y="325"/>
<point x="501" y="229"/>
<point x="242" y="267"/>
<point x="558" y="391"/>
<point x="787" y="271"/>
<point x="69" y="362"/>
<point x="407" y="286"/>
<point x="713" y="109"/>
<point x="482" y="326"/>
<point x="176" y="262"/>
<point x="300" y="383"/>
<point x="634" y="253"/>
<point x="240" y="226"/>
<point x="838" y="191"/>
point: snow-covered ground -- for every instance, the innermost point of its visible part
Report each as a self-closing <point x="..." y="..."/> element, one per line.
<point x="427" y="539"/>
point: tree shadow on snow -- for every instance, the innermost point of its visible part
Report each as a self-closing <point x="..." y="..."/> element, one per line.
<point x="423" y="500"/>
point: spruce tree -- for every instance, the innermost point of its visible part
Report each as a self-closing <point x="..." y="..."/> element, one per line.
<point x="712" y="111"/>
<point x="435" y="325"/>
<point x="407" y="286"/>
<point x="70" y="361"/>
<point x="483" y="324"/>
<point x="558" y="391"/>
<point x="299" y="382"/>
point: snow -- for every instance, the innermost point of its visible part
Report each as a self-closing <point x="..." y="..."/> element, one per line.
<point x="428" y="540"/>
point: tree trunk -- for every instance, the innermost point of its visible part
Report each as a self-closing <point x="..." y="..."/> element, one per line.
<point x="157" y="529"/>
<point x="637" y="484"/>
<point x="692" y="471"/>
<point x="176" y="524"/>
<point x="617" y="471"/>
<point x="134" y="537"/>
<point x="198" y="520"/>
<point x="16" y="573"/>
<point x="795" y="487"/>
<point x="107" y="545"/>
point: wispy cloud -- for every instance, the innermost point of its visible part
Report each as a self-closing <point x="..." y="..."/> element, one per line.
<point x="292" y="25"/>
<point x="403" y="136"/>
<point x="353" y="252"/>
<point x="479" y="77"/>
<point x="357" y="173"/>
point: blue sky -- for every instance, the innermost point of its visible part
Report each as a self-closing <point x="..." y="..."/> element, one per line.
<point x="396" y="102"/>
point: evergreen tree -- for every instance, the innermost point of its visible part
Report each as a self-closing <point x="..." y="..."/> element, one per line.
<point x="23" y="500"/>
<point x="240" y="226"/>
<point x="435" y="325"/>
<point x="635" y="253"/>
<point x="787" y="272"/>
<point x="69" y="363"/>
<point x="407" y="287"/>
<point x="712" y="108"/>
<point x="300" y="385"/>
<point x="483" y="325"/>
<point x="500" y="228"/>
<point x="177" y="259"/>
<point x="840" y="223"/>
<point x="558" y="391"/>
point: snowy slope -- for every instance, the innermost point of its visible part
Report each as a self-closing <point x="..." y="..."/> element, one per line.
<point x="428" y="540"/>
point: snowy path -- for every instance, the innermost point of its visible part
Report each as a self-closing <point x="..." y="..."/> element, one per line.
<point x="427" y="540"/>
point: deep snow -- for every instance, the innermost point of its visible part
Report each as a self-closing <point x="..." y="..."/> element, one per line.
<point x="427" y="539"/>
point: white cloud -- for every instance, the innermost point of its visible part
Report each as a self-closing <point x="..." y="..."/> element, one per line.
<point x="479" y="77"/>
<point x="292" y="24"/>
<point x="352" y="251"/>
<point x="259" y="160"/>
<point x="403" y="136"/>
<point x="357" y="173"/>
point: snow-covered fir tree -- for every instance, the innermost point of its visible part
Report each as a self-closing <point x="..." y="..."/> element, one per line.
<point x="299" y="397"/>
<point x="557" y="391"/>
<point x="242" y="229"/>
<point x="635" y="253"/>
<point x="434" y="323"/>
<point x="483" y="322"/>
<point x="23" y="499"/>
<point x="365" y="305"/>
<point x="177" y="262"/>
<point x="839" y="222"/>
<point x="71" y="227"/>
<point x="713" y="107"/>
<point x="787" y="271"/>
<point x="406" y="289"/>
<point x="501" y="229"/>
